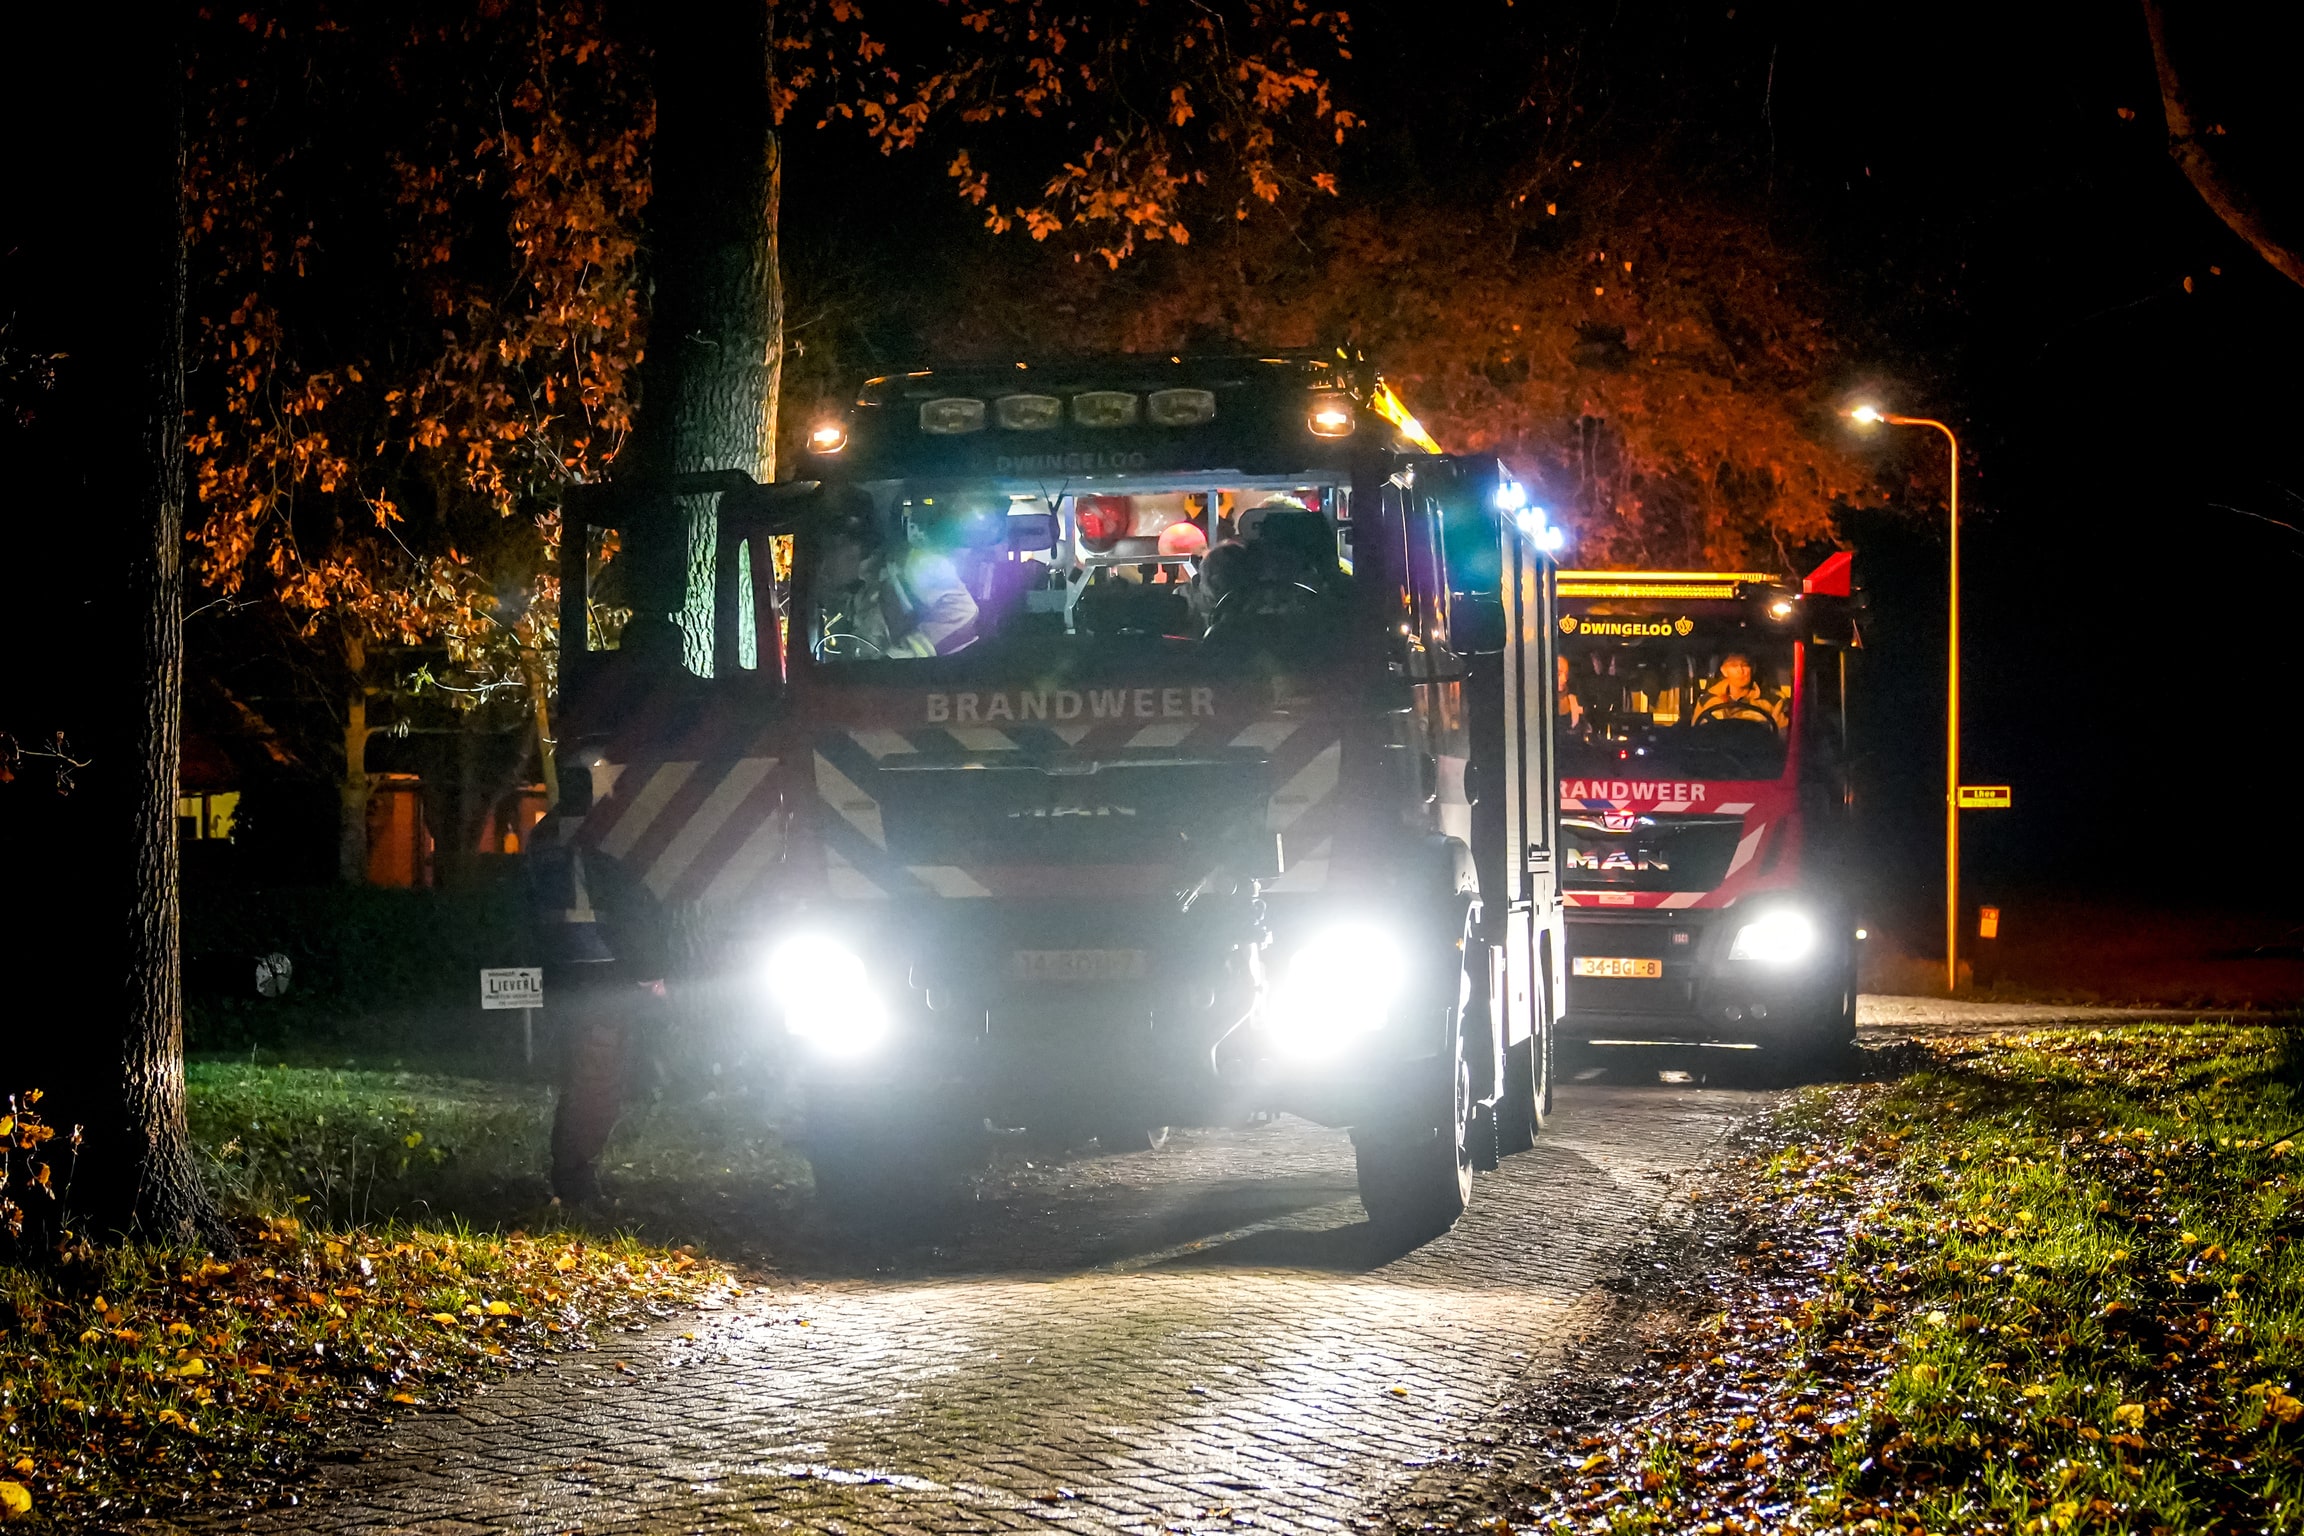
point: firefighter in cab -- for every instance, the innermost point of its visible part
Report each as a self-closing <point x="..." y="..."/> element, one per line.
<point x="886" y="595"/>
<point x="1735" y="695"/>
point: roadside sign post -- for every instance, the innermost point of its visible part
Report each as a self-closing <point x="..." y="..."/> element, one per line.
<point x="1983" y="797"/>
<point x="520" y="987"/>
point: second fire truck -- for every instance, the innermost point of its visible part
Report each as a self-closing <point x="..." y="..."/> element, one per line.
<point x="1705" y="807"/>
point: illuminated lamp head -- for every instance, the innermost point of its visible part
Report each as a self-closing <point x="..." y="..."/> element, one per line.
<point x="828" y="437"/>
<point x="1183" y="539"/>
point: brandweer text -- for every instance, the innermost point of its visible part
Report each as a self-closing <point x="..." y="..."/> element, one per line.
<point x="1071" y="704"/>
<point x="1631" y="789"/>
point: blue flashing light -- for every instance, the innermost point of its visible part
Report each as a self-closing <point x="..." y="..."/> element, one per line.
<point x="1536" y="526"/>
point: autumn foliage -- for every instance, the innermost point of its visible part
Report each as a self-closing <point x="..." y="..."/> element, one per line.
<point x="414" y="248"/>
<point x="1654" y="361"/>
<point x="134" y="1377"/>
<point x="1110" y="125"/>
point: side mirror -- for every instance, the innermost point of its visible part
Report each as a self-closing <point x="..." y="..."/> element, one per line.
<point x="1476" y="623"/>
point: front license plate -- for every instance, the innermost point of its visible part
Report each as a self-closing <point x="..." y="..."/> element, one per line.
<point x="1080" y="965"/>
<point x="1610" y="965"/>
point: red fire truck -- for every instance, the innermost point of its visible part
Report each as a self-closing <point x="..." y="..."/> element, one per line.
<point x="1704" y="804"/>
<point x="1106" y="746"/>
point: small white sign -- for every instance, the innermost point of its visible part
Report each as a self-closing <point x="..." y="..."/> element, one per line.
<point x="514" y="986"/>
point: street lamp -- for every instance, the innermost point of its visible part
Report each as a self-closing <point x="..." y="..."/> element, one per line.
<point x="1867" y="416"/>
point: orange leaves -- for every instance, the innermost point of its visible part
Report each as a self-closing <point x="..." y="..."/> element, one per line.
<point x="484" y="359"/>
<point x="1237" y="88"/>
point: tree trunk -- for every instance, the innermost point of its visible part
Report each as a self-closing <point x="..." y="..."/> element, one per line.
<point x="354" y="789"/>
<point x="2237" y="205"/>
<point x="138" y="1172"/>
<point x="708" y="383"/>
<point x="547" y="760"/>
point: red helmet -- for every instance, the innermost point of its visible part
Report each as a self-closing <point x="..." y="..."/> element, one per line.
<point x="1103" y="520"/>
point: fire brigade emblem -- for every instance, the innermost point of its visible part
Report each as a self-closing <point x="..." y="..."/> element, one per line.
<point x="1567" y="623"/>
<point x="1683" y="624"/>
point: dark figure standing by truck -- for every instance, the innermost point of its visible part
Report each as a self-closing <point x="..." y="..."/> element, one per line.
<point x="603" y="974"/>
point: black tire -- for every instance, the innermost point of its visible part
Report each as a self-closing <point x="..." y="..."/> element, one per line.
<point x="1548" y="1038"/>
<point x="1416" y="1183"/>
<point x="1833" y="1035"/>
<point x="1519" y="1110"/>
<point x="1116" y="1139"/>
<point x="1528" y="1082"/>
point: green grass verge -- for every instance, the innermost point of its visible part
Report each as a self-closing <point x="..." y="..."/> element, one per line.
<point x="2040" y="1283"/>
<point x="346" y="1147"/>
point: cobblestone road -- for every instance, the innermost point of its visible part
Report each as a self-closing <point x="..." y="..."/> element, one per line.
<point x="1195" y="1339"/>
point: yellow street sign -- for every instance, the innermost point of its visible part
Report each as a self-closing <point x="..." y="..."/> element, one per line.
<point x="1984" y="797"/>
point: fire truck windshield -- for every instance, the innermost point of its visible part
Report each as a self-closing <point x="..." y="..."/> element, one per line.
<point x="906" y="571"/>
<point x="1696" y="707"/>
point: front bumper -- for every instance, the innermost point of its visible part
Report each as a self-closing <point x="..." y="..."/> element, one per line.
<point x="1703" y="997"/>
<point x="1173" y="1043"/>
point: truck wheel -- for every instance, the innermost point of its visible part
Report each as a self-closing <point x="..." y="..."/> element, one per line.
<point x="1416" y="1183"/>
<point x="1835" y="1032"/>
<point x="1527" y="1089"/>
<point x="1821" y="1043"/>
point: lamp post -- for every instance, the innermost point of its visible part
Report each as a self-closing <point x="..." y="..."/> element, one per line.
<point x="1865" y="416"/>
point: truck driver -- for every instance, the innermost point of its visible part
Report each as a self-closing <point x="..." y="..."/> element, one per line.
<point x="1735" y="696"/>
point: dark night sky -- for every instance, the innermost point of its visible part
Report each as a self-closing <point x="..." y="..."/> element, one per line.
<point x="2013" y="256"/>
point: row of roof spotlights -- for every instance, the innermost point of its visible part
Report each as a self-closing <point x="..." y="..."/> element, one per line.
<point x="1534" y="523"/>
<point x="1332" y="414"/>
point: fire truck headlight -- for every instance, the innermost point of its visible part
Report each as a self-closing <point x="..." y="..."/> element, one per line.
<point x="1783" y="937"/>
<point x="826" y="996"/>
<point x="1337" y="988"/>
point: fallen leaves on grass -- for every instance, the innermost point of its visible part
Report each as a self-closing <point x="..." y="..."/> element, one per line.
<point x="128" y="1376"/>
<point x="2045" y="1284"/>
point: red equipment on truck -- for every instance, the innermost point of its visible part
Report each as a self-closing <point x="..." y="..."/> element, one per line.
<point x="1106" y="746"/>
<point x="1705" y="807"/>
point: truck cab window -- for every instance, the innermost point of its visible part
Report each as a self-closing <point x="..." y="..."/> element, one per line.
<point x="911" y="572"/>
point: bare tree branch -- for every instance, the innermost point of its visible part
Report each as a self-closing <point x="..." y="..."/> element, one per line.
<point x="2226" y="200"/>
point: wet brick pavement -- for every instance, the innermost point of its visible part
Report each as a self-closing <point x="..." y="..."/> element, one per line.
<point x="1195" y="1339"/>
